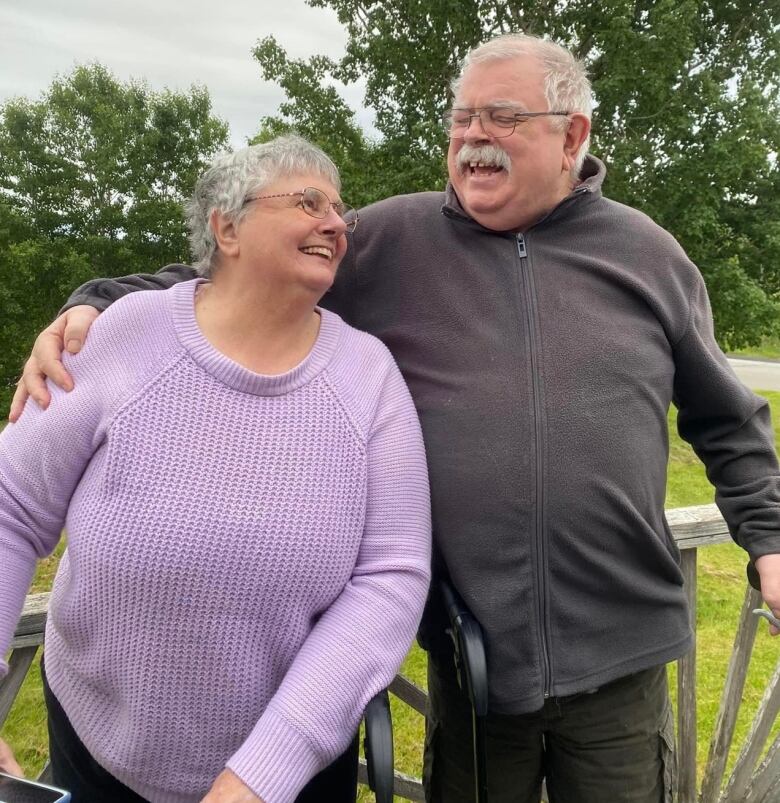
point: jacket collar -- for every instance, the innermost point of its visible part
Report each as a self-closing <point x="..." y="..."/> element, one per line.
<point x="592" y="175"/>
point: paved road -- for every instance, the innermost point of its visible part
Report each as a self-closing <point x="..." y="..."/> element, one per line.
<point x="757" y="374"/>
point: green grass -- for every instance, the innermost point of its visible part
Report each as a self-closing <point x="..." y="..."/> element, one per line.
<point x="769" y="349"/>
<point x="720" y="594"/>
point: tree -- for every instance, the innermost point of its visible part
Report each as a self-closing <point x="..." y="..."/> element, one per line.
<point x="687" y="116"/>
<point x="107" y="163"/>
<point x="92" y="179"/>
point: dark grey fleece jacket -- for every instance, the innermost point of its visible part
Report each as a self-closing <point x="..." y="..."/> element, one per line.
<point x="542" y="366"/>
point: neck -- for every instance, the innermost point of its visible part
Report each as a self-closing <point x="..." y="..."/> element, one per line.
<point x="263" y="330"/>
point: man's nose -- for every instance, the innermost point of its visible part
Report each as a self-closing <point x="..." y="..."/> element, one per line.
<point x="475" y="131"/>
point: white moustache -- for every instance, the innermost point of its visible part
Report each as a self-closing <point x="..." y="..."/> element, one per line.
<point x="490" y="155"/>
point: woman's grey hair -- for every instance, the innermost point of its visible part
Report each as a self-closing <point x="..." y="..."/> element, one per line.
<point x="233" y="177"/>
<point x="566" y="84"/>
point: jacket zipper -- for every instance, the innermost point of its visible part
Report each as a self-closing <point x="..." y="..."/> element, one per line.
<point x="541" y="546"/>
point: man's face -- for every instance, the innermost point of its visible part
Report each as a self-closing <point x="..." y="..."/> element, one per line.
<point x="539" y="174"/>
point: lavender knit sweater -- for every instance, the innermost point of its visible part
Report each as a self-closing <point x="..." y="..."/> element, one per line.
<point x="247" y="555"/>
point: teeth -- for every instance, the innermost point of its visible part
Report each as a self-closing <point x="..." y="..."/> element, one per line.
<point x="317" y="249"/>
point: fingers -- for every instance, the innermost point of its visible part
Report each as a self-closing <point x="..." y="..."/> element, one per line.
<point x="18" y="402"/>
<point x="31" y="384"/>
<point x="67" y="332"/>
<point x="768" y="567"/>
<point x="229" y="788"/>
<point x="8" y="763"/>
<point x="34" y="381"/>
<point x="77" y="323"/>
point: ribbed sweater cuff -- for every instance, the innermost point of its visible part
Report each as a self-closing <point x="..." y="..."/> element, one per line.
<point x="16" y="574"/>
<point x="276" y="761"/>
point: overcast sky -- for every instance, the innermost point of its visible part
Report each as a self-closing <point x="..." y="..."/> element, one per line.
<point x="170" y="44"/>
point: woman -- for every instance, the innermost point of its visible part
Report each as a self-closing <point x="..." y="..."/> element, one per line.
<point x="242" y="480"/>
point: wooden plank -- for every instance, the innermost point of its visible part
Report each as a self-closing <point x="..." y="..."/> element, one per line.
<point x="409" y="692"/>
<point x="18" y="666"/>
<point x="686" y="694"/>
<point x="408" y="788"/>
<point x="33" y="618"/>
<point x="765" y="785"/>
<point x="404" y="786"/>
<point x="31" y="640"/>
<point x="730" y="699"/>
<point x="700" y="525"/>
<point x="768" y="710"/>
<point x="32" y="623"/>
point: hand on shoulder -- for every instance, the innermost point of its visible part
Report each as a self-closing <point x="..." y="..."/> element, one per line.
<point x="67" y="332"/>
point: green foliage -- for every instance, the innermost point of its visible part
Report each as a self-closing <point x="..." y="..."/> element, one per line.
<point x="687" y="116"/>
<point x="92" y="177"/>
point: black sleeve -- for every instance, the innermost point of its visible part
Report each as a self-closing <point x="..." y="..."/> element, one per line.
<point x="101" y="293"/>
<point x="731" y="432"/>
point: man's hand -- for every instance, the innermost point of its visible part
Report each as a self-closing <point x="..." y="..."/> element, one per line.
<point x="67" y="332"/>
<point x="229" y="788"/>
<point x="8" y="762"/>
<point x="768" y="567"/>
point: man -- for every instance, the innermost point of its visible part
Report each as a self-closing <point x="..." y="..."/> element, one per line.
<point x="544" y="331"/>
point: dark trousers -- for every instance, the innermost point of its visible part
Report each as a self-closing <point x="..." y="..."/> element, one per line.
<point x="74" y="768"/>
<point x="613" y="745"/>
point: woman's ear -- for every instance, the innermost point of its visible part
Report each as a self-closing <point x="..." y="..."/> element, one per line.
<point x="225" y="232"/>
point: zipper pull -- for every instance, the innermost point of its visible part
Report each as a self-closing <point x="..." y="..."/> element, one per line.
<point x="521" y="249"/>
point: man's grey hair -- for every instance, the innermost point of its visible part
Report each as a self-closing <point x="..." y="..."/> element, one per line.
<point x="234" y="177"/>
<point x="566" y="84"/>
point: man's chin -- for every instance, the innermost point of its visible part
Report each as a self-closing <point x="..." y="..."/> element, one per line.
<point x="479" y="201"/>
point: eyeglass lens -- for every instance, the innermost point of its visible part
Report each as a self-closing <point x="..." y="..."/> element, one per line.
<point x="317" y="204"/>
<point x="498" y="121"/>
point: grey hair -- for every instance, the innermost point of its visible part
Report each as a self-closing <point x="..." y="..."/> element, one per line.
<point x="233" y="177"/>
<point x="566" y="84"/>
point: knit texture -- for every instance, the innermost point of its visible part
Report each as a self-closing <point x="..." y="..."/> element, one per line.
<point x="247" y="555"/>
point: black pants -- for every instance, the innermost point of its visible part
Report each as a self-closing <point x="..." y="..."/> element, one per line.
<point x="614" y="745"/>
<point x="74" y="768"/>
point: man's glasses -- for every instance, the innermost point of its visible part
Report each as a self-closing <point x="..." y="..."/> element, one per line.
<point x="314" y="202"/>
<point x="497" y="121"/>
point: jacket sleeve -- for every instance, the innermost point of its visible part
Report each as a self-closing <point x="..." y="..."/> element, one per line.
<point x="359" y="642"/>
<point x="102" y="293"/>
<point x="730" y="430"/>
<point x="42" y="459"/>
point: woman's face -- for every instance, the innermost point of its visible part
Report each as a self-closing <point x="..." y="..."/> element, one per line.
<point x="286" y="245"/>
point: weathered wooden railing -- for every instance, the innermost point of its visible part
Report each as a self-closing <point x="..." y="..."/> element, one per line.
<point x="753" y="779"/>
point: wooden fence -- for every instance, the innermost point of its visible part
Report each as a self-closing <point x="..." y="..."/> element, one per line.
<point x="756" y="774"/>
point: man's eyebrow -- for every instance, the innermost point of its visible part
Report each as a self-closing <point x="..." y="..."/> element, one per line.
<point x="495" y="103"/>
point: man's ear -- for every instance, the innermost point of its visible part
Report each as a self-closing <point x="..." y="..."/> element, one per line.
<point x="576" y="134"/>
<point x="225" y="233"/>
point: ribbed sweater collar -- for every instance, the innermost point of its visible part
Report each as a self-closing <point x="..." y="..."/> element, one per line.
<point x="230" y="372"/>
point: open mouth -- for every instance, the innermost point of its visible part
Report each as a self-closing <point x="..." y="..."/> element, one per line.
<point x="317" y="250"/>
<point x="483" y="169"/>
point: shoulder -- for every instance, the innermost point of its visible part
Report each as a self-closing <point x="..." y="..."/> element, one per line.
<point x="130" y="339"/>
<point x="141" y="307"/>
<point x="364" y="373"/>
<point x="402" y="206"/>
<point x="633" y="239"/>
<point x="644" y="231"/>
<point x="368" y="355"/>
